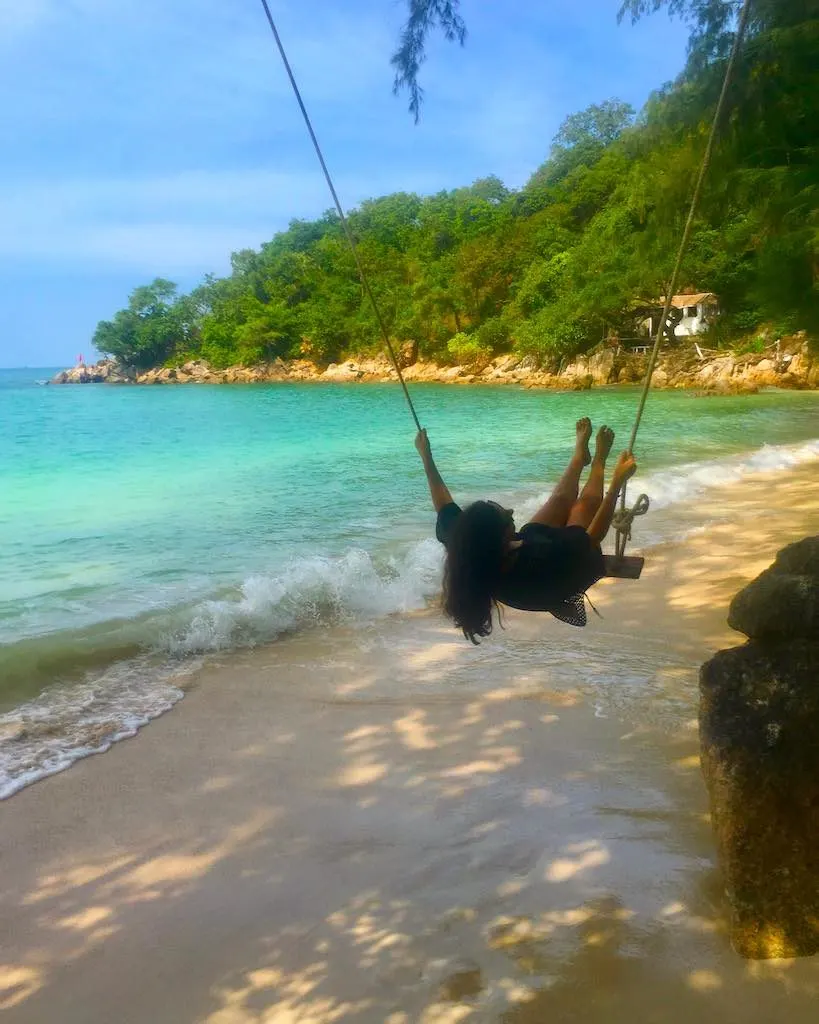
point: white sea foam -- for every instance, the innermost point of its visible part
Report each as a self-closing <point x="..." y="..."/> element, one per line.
<point x="311" y="592"/>
<point x="65" y="723"/>
<point x="681" y="483"/>
<point x="322" y="590"/>
<point x="68" y="722"/>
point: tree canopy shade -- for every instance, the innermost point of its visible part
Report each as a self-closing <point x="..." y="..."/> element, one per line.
<point x="552" y="268"/>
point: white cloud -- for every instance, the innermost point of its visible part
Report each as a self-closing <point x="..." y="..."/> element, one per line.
<point x="185" y="223"/>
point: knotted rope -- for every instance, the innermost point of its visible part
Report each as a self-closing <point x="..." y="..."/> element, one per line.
<point x="623" y="519"/>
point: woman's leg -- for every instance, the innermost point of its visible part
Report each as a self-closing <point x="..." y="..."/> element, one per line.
<point x="556" y="510"/>
<point x="625" y="468"/>
<point x="585" y="508"/>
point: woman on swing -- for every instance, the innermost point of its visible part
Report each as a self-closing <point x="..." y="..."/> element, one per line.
<point x="550" y="563"/>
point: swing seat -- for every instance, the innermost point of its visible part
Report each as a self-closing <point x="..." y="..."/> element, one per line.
<point x="626" y="567"/>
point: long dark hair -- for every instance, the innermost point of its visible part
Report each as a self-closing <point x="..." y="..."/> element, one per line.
<point x="474" y="562"/>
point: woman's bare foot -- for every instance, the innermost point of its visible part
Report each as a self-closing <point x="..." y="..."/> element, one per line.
<point x="584" y="432"/>
<point x="625" y="469"/>
<point x="605" y="439"/>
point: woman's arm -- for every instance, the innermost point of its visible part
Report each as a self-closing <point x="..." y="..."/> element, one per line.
<point x="599" y="526"/>
<point x="437" y="488"/>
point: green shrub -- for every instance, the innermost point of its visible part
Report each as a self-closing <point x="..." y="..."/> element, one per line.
<point x="548" y="338"/>
<point x="755" y="344"/>
<point x="467" y="350"/>
<point x="493" y="335"/>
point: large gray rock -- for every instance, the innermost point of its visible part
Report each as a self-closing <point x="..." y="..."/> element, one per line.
<point x="777" y="605"/>
<point x="106" y="371"/>
<point x="759" y="734"/>
<point x="801" y="557"/>
<point x="784" y="600"/>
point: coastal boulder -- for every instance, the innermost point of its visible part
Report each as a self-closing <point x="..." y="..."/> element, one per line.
<point x="759" y="732"/>
<point x="629" y="368"/>
<point x="343" y="371"/>
<point x="731" y="386"/>
<point x="195" y="370"/>
<point x="719" y="370"/>
<point x="801" y="557"/>
<point x="503" y="369"/>
<point x="422" y="372"/>
<point x="115" y="373"/>
<point x="149" y="377"/>
<point x="277" y="370"/>
<point x="759" y="735"/>
<point x="783" y="601"/>
<point x="777" y="605"/>
<point x="106" y="371"/>
<point x="597" y="368"/>
<point x="303" y="369"/>
<point x="601" y="366"/>
<point x="76" y="375"/>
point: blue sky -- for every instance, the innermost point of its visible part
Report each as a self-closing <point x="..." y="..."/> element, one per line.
<point x="146" y="138"/>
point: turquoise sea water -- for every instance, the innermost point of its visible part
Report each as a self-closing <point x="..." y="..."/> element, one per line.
<point x="143" y="526"/>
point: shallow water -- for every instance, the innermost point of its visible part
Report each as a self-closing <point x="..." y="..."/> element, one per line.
<point x="145" y="526"/>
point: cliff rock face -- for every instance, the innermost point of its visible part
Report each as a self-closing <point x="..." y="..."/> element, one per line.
<point x="759" y="734"/>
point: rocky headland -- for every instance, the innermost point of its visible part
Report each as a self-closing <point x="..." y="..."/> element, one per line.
<point x="792" y="365"/>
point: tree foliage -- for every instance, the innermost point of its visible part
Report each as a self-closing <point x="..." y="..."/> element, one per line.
<point x="423" y="17"/>
<point x="148" y="330"/>
<point x="554" y="267"/>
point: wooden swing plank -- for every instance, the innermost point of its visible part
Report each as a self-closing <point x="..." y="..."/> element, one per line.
<point x="628" y="567"/>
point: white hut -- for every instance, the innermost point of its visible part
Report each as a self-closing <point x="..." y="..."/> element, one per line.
<point x="699" y="310"/>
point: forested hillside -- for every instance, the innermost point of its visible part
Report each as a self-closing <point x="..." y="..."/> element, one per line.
<point x="551" y="268"/>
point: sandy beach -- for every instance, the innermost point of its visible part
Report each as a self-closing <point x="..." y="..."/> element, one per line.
<point x="383" y="823"/>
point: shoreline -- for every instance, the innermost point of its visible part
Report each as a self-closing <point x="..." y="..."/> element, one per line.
<point x="384" y="823"/>
<point x="133" y="685"/>
<point x="794" y="366"/>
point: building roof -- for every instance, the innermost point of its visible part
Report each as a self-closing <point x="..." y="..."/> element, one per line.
<point x="692" y="299"/>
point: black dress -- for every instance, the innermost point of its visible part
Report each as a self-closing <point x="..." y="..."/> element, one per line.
<point x="553" y="569"/>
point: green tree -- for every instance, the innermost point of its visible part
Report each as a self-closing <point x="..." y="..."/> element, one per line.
<point x="145" y="333"/>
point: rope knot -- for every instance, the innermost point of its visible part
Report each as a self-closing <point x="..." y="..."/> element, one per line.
<point x="624" y="517"/>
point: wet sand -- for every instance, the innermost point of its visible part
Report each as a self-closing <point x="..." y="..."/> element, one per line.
<point x="385" y="824"/>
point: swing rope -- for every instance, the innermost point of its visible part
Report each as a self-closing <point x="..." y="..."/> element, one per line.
<point x="350" y="239"/>
<point x="624" y="517"/>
